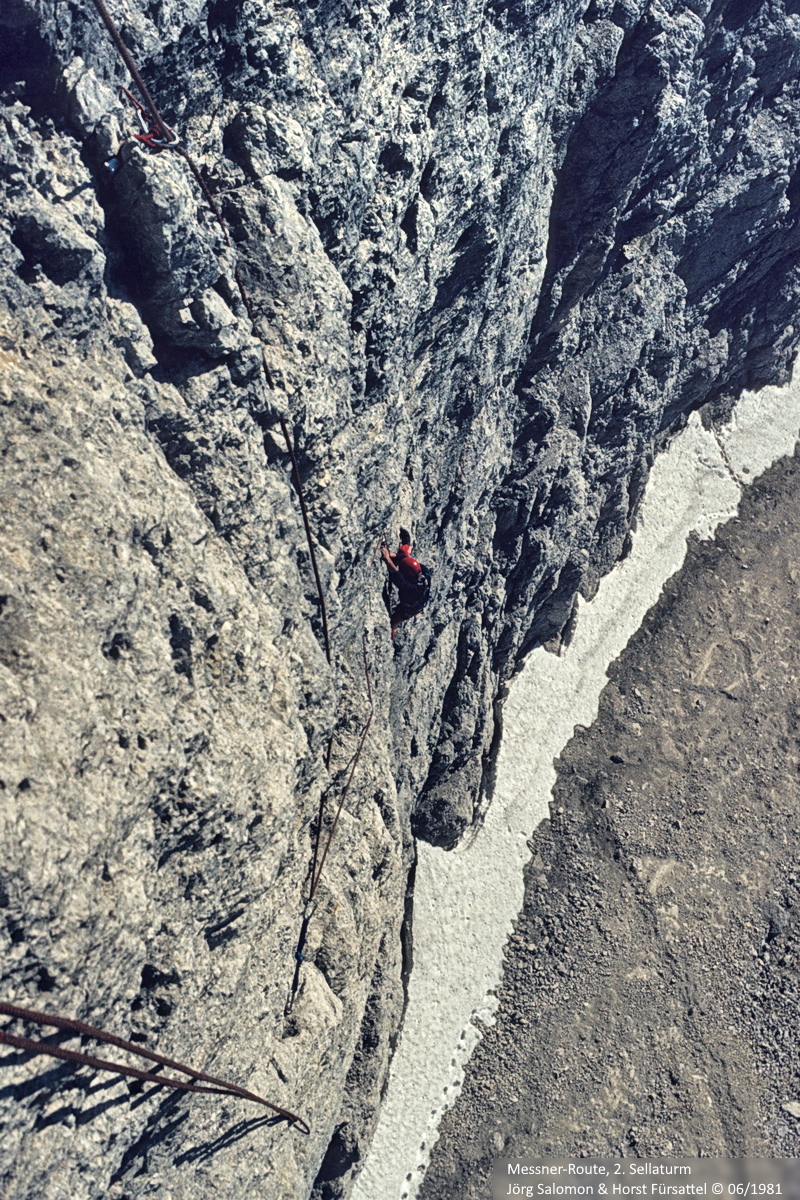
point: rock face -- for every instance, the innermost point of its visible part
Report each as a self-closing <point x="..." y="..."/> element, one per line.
<point x="493" y="254"/>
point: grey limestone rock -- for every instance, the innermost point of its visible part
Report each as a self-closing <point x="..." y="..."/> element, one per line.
<point x="494" y="253"/>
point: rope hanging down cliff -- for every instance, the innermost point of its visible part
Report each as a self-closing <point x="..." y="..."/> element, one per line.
<point x="168" y="140"/>
<point x="159" y="136"/>
<point x="318" y="862"/>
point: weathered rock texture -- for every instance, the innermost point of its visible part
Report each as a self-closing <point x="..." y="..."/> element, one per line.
<point x="495" y="252"/>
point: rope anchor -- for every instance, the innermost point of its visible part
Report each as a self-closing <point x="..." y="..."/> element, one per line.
<point x="152" y="134"/>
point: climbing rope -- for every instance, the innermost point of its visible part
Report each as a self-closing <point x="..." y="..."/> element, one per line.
<point x="316" y="874"/>
<point x="299" y="488"/>
<point x="164" y="129"/>
<point x="220" y="1087"/>
<point x="168" y="140"/>
<point x="318" y="862"/>
<point x="158" y="135"/>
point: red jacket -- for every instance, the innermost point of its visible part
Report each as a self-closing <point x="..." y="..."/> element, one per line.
<point x="408" y="567"/>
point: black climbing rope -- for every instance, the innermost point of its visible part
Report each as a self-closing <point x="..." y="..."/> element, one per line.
<point x="318" y="861"/>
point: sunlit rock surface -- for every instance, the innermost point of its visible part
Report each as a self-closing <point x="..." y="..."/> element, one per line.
<point x="494" y="254"/>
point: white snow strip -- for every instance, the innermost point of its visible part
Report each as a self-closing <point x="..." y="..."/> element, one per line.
<point x="465" y="900"/>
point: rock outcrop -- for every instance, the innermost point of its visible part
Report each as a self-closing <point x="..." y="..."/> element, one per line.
<point x="494" y="254"/>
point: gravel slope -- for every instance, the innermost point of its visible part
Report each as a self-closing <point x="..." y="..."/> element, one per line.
<point x="649" y="1005"/>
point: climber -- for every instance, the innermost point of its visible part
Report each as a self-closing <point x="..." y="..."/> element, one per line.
<point x="411" y="579"/>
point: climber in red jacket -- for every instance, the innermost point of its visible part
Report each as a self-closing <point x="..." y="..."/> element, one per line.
<point x="410" y="579"/>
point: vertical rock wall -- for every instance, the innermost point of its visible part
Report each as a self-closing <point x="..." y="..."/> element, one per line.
<point x="495" y="253"/>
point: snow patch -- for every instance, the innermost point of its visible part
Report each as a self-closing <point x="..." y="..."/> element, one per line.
<point x="466" y="899"/>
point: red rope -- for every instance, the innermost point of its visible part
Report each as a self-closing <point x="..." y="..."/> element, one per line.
<point x="318" y="861"/>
